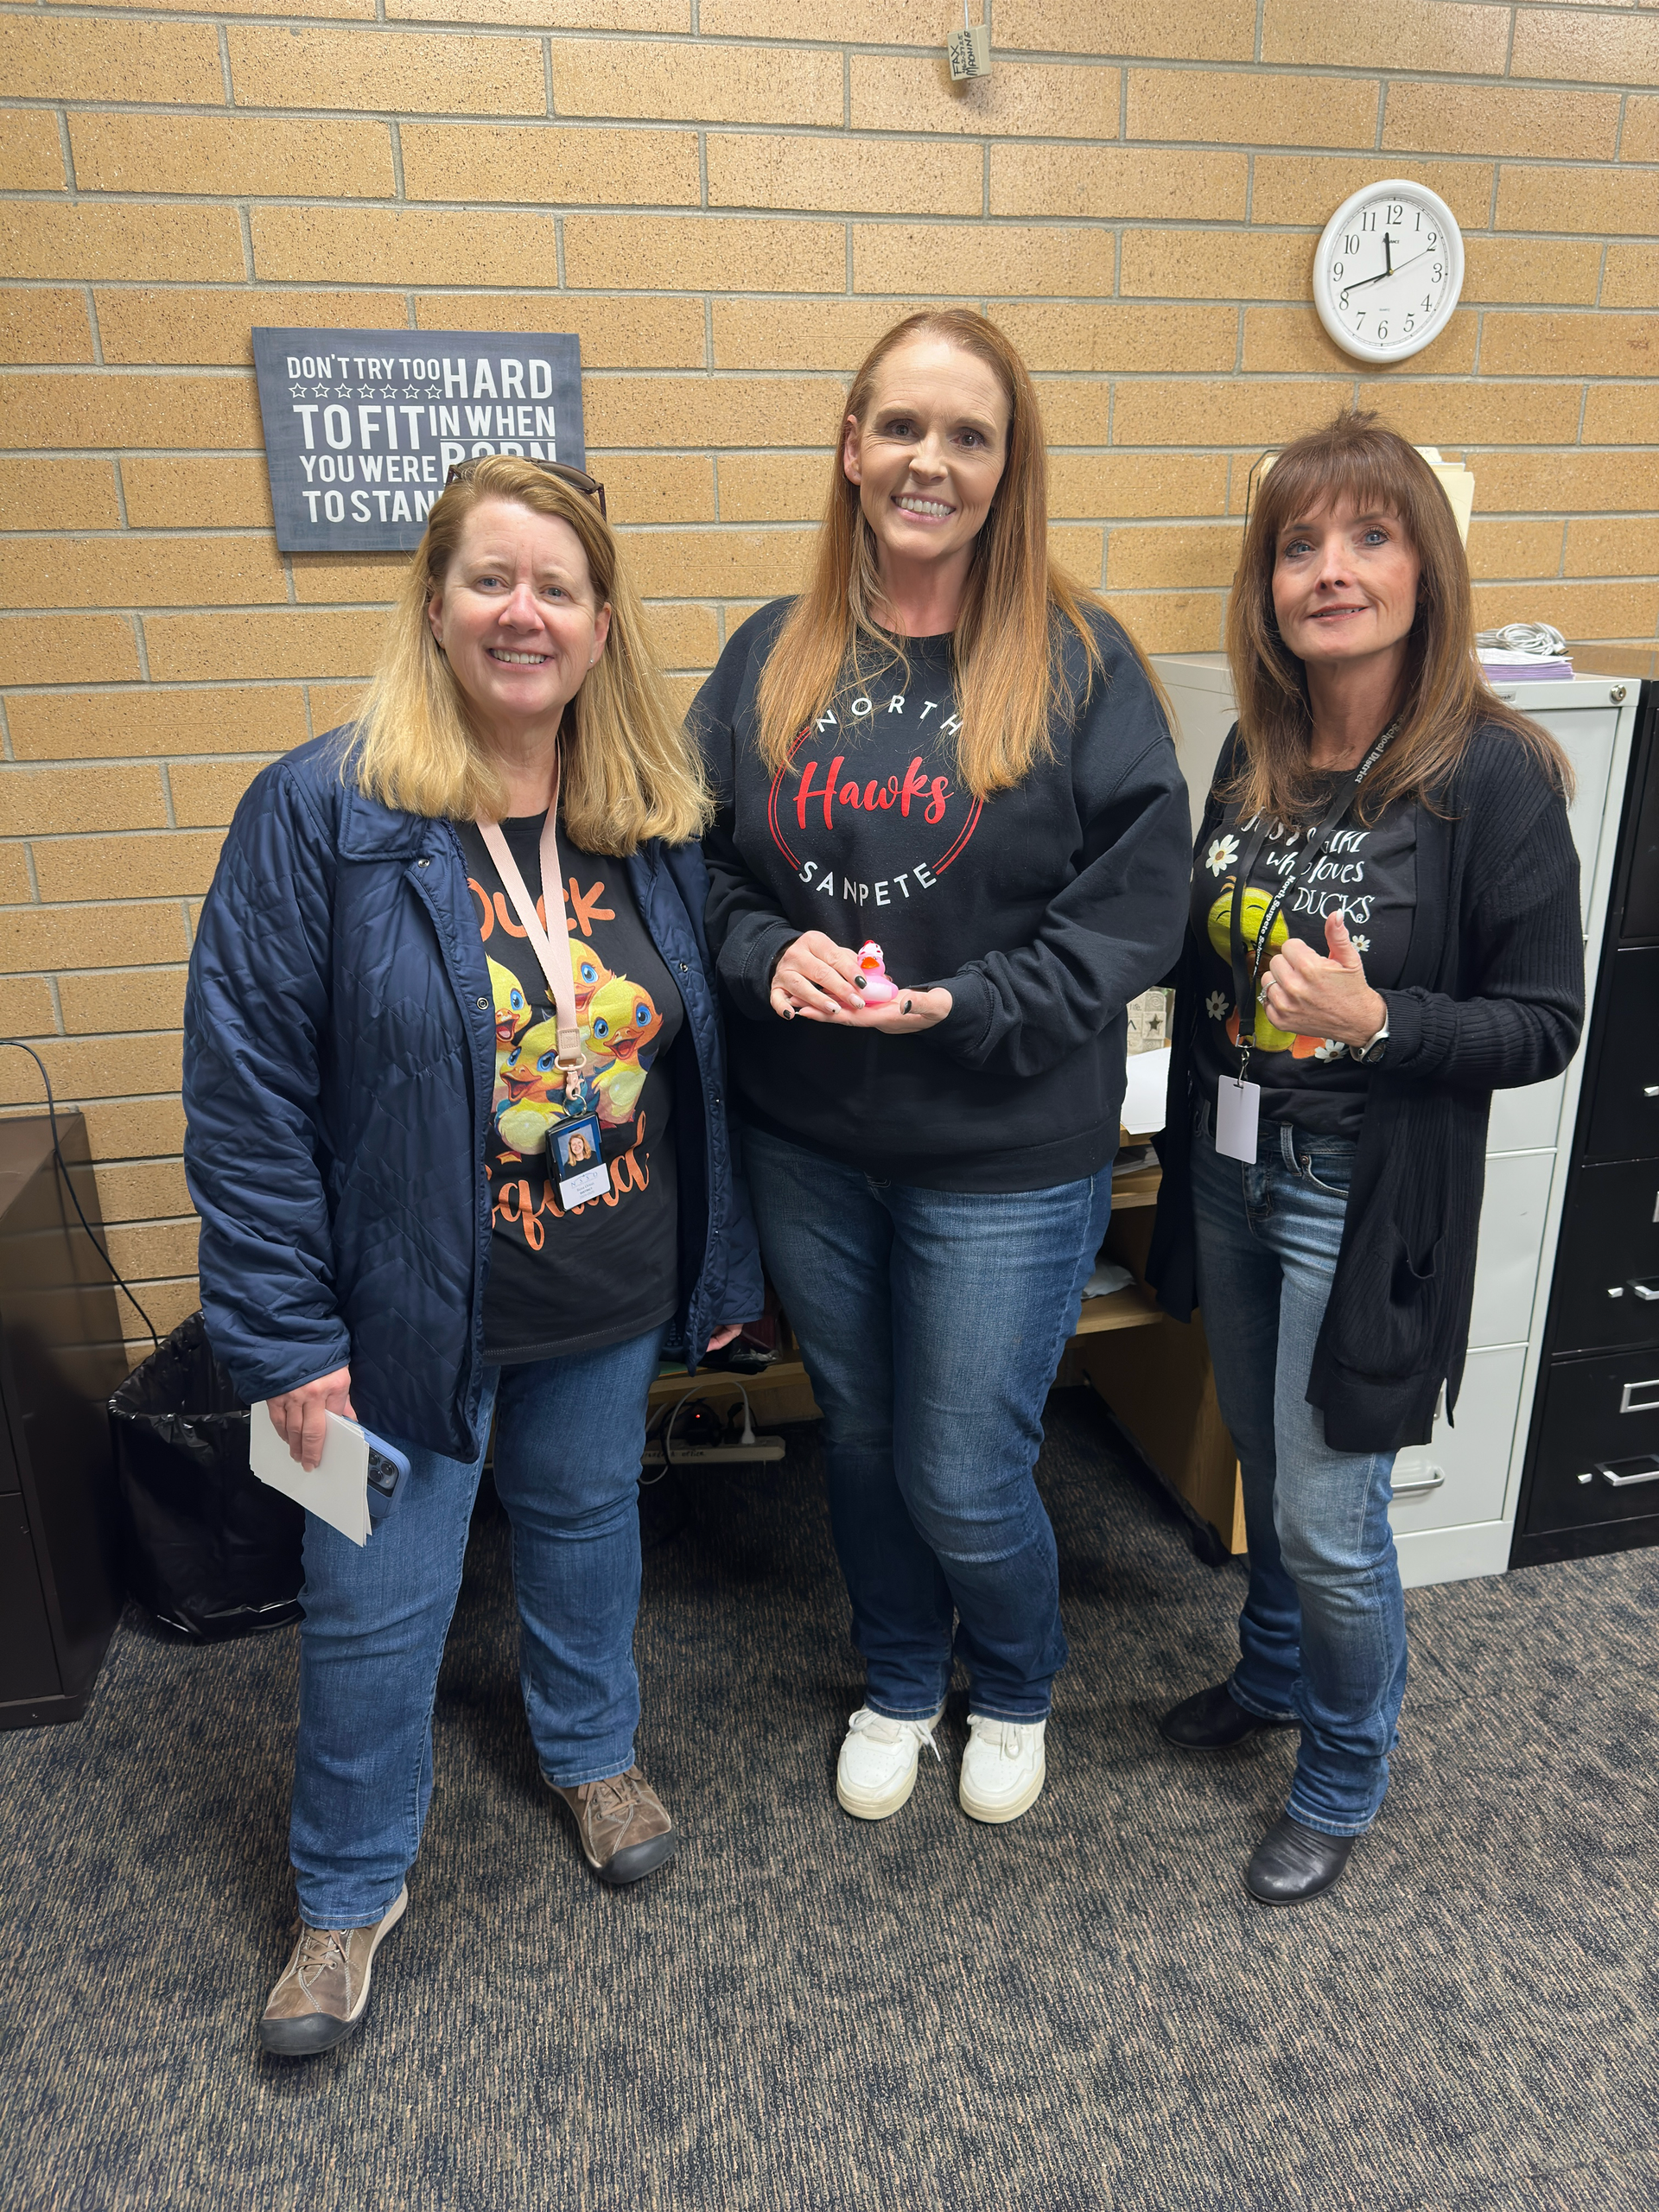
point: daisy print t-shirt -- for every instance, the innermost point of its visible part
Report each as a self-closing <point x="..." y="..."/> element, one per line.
<point x="1368" y="876"/>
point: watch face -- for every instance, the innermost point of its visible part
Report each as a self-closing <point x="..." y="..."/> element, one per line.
<point x="1388" y="271"/>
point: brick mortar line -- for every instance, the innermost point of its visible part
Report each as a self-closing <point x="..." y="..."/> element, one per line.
<point x="835" y="133"/>
<point x="458" y="28"/>
<point x="736" y="211"/>
<point x="1242" y="66"/>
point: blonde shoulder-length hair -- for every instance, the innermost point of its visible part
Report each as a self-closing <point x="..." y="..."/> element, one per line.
<point x="1009" y="679"/>
<point x="1446" y="697"/>
<point x="627" y="773"/>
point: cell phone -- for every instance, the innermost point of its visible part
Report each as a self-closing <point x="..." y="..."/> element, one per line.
<point x="388" y="1470"/>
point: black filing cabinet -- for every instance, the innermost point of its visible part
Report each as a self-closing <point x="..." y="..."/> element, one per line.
<point x="1591" y="1479"/>
<point x="61" y="1356"/>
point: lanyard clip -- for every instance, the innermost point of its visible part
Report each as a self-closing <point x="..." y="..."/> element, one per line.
<point x="570" y="1060"/>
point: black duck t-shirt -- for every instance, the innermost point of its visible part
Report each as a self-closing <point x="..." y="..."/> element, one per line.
<point x="568" y="1279"/>
<point x="1368" y="874"/>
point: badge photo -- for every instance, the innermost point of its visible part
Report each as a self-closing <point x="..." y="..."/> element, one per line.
<point x="582" y="1173"/>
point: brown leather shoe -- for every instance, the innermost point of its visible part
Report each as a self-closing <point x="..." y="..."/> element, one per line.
<point x="625" y="1830"/>
<point x="323" y="1992"/>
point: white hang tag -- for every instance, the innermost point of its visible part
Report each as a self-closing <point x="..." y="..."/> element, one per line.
<point x="970" y="50"/>
<point x="581" y="1171"/>
<point x="1238" y="1109"/>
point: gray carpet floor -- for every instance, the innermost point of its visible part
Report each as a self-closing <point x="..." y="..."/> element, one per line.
<point x="1081" y="2010"/>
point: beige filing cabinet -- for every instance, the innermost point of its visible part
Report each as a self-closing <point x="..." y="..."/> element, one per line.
<point x="1455" y="1497"/>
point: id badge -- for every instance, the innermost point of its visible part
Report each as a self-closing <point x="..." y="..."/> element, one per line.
<point x="581" y="1171"/>
<point x="1238" y="1108"/>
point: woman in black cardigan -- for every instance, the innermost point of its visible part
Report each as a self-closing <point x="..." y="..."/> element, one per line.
<point x="1384" y="930"/>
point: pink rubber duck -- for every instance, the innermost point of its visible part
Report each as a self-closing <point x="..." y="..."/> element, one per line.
<point x="878" y="987"/>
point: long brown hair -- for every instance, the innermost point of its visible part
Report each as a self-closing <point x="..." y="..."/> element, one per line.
<point x="628" y="770"/>
<point x="1007" y="671"/>
<point x="1446" y="696"/>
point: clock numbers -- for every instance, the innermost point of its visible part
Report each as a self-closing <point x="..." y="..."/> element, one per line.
<point x="1388" y="271"/>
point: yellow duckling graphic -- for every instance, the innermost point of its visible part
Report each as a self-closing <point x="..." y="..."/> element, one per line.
<point x="621" y="1022"/>
<point x="512" y="1008"/>
<point x="591" y="975"/>
<point x="1268" y="1038"/>
<point x="535" y="1089"/>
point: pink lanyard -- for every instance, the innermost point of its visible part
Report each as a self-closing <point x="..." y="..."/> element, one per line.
<point x="556" y="967"/>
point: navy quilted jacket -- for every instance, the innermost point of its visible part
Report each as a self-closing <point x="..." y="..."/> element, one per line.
<point x="338" y="1061"/>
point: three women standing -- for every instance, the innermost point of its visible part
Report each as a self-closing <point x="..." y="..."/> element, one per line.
<point x="942" y="745"/>
<point x="1385" y="929"/>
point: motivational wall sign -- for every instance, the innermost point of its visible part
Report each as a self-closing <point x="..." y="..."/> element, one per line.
<point x="363" y="426"/>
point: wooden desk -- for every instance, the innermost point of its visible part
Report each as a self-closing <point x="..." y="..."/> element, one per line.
<point x="1158" y="1383"/>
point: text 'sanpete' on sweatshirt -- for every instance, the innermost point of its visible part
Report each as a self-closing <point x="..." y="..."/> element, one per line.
<point x="1044" y="909"/>
<point x="575" y="1279"/>
<point x="1368" y="874"/>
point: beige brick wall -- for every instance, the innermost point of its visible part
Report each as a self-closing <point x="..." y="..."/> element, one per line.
<point x="728" y="199"/>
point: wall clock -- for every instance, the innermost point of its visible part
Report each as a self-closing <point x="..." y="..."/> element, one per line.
<point x="1388" y="271"/>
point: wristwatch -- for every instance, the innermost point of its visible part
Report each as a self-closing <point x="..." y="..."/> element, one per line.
<point x="1372" y="1050"/>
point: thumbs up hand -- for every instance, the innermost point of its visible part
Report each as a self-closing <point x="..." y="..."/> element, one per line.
<point x="1329" y="997"/>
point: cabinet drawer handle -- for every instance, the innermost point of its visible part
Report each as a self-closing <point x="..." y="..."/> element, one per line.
<point x="1431" y="1478"/>
<point x="1642" y="1470"/>
<point x="1630" y="1403"/>
<point x="1647" y="1291"/>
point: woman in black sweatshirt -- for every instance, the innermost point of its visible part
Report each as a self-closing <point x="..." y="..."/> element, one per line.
<point x="945" y="749"/>
<point x="1385" y="929"/>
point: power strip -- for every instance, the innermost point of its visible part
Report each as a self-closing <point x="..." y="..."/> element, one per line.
<point x="709" y="1455"/>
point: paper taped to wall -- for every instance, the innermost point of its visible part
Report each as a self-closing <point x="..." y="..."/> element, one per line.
<point x="336" y="1489"/>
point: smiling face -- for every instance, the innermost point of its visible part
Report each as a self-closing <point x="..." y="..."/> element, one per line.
<point x="622" y="1020"/>
<point x="930" y="453"/>
<point x="517" y="617"/>
<point x="1344" y="584"/>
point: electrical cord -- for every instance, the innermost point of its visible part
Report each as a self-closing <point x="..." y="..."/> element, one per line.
<point x="1525" y="640"/>
<point x="669" y="1460"/>
<point x="57" y="1153"/>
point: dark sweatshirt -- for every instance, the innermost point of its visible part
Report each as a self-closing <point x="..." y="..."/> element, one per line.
<point x="1043" y="910"/>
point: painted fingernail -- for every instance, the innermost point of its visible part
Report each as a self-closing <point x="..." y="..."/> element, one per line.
<point x="789" y="1014"/>
<point x="905" y="1008"/>
<point x="858" y="983"/>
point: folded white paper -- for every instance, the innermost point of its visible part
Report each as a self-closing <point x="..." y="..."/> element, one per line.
<point x="1143" y="1100"/>
<point x="337" y="1487"/>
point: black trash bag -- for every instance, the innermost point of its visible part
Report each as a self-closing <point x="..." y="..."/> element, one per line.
<point x="209" y="1548"/>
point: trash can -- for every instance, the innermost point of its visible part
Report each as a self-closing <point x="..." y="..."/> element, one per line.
<point x="208" y="1548"/>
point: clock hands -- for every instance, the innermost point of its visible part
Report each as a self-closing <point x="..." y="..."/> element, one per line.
<point x="1393" y="270"/>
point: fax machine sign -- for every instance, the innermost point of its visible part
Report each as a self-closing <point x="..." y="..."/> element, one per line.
<point x="362" y="426"/>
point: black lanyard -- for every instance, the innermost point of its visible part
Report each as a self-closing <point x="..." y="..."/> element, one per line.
<point x="1246" y="971"/>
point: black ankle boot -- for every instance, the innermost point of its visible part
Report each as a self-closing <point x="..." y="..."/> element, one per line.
<point x="1293" y="1863"/>
<point x="1210" y="1722"/>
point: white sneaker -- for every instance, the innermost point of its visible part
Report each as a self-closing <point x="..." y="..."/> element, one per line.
<point x="876" y="1770"/>
<point x="1002" y="1767"/>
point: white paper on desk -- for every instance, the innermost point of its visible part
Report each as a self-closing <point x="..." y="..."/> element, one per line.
<point x="1142" y="1114"/>
<point x="337" y="1487"/>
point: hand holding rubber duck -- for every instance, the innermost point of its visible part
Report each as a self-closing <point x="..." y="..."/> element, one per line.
<point x="821" y="980"/>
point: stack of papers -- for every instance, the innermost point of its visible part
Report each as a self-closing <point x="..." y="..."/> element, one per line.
<point x="1501" y="666"/>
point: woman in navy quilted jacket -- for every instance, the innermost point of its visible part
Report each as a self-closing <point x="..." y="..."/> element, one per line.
<point x="457" y="1137"/>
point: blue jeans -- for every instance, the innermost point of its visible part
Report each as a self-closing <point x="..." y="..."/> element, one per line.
<point x="568" y="1439"/>
<point x="1322" y="1637"/>
<point x="932" y="1323"/>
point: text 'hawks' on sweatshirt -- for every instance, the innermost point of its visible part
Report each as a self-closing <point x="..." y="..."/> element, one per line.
<point x="1043" y="910"/>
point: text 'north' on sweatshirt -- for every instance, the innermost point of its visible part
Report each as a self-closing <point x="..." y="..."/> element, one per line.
<point x="1043" y="910"/>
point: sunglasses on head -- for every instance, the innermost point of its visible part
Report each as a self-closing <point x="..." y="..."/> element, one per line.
<point x="590" y="486"/>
